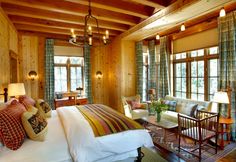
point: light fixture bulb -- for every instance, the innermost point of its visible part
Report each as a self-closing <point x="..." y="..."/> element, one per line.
<point x="157" y="37"/>
<point x="222" y="12"/>
<point x="107" y="34"/>
<point x="182" y="28"/>
<point x="90" y="41"/>
<point x="72" y="31"/>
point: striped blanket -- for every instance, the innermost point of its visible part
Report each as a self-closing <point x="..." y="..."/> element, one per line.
<point x="105" y="120"/>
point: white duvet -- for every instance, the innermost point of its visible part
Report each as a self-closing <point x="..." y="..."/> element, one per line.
<point x="85" y="147"/>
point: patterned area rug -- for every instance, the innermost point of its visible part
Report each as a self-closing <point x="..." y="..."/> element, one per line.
<point x="171" y="144"/>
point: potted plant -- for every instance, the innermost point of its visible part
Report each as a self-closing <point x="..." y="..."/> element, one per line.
<point x="159" y="106"/>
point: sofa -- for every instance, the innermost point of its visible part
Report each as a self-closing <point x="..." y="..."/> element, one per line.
<point x="183" y="106"/>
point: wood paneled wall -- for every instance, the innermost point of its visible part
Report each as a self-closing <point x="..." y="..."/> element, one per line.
<point x="8" y="42"/>
<point x="31" y="57"/>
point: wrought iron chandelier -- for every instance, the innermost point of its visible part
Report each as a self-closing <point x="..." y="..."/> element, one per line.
<point x="89" y="32"/>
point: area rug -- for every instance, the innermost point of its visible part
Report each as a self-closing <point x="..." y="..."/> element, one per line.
<point x="231" y="157"/>
<point x="171" y="144"/>
<point x="151" y="156"/>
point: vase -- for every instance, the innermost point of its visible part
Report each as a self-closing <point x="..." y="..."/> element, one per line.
<point x="158" y="117"/>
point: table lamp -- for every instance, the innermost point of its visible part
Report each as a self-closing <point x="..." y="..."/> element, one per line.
<point x="151" y="92"/>
<point x="222" y="98"/>
<point x="16" y="89"/>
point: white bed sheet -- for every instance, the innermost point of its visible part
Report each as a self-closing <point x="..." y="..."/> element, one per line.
<point x="53" y="149"/>
<point x="85" y="147"/>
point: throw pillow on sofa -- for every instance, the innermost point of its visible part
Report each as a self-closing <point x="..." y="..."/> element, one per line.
<point x="187" y="108"/>
<point x="171" y="105"/>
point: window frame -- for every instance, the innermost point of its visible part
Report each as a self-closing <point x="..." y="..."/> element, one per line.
<point x="68" y="65"/>
<point x="188" y="60"/>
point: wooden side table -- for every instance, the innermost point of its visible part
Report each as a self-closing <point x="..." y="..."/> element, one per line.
<point x="224" y="128"/>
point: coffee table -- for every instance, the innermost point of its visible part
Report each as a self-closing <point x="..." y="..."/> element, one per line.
<point x="166" y="125"/>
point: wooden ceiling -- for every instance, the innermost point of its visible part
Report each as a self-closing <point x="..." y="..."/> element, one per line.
<point x="55" y="18"/>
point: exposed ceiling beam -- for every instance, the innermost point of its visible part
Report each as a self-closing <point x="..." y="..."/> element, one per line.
<point x="46" y="35"/>
<point x="53" y="24"/>
<point x="153" y="3"/>
<point x="50" y="30"/>
<point x="49" y="15"/>
<point x="75" y="9"/>
<point x="119" y="6"/>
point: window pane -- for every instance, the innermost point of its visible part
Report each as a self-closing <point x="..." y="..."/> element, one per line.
<point x="76" y="60"/>
<point x="200" y="97"/>
<point x="60" y="74"/>
<point x="178" y="70"/>
<point x="178" y="94"/>
<point x="178" y="84"/>
<point x="184" y="85"/>
<point x="200" y="68"/>
<point x="201" y="85"/>
<point x="213" y="85"/>
<point x="193" y="53"/>
<point x="183" y="69"/>
<point x="194" y="85"/>
<point x="194" y="69"/>
<point x="213" y="50"/>
<point x="213" y="67"/>
<point x="60" y="59"/>
<point x="194" y="96"/>
<point x="76" y="77"/>
<point x="183" y="95"/>
<point x="200" y="52"/>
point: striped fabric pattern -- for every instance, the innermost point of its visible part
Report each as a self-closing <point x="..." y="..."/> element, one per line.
<point x="49" y="72"/>
<point x="163" y="72"/>
<point x="139" y="67"/>
<point x="152" y="66"/>
<point x="87" y="73"/>
<point x="227" y="60"/>
<point x="104" y="120"/>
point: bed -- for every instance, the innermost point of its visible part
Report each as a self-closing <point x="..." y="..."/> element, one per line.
<point x="70" y="138"/>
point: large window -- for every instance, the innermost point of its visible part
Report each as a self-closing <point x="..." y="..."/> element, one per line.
<point x="195" y="74"/>
<point x="68" y="73"/>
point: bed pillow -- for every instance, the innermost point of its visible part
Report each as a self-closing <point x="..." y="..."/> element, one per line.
<point x="12" y="133"/>
<point x="44" y="108"/>
<point x="35" y="125"/>
<point x="26" y="101"/>
<point x="171" y="105"/>
<point x="15" y="109"/>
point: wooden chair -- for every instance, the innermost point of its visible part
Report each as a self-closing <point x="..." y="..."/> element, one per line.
<point x="200" y="129"/>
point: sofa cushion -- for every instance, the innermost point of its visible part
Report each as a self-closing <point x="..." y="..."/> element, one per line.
<point x="171" y="105"/>
<point x="187" y="109"/>
<point x="139" y="113"/>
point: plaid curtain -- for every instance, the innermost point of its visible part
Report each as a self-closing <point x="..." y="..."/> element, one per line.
<point x="152" y="66"/>
<point x="87" y="73"/>
<point x="163" y="71"/>
<point x="139" y="67"/>
<point x="49" y="72"/>
<point x="227" y="60"/>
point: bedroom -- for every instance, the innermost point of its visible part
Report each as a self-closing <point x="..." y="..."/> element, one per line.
<point x="26" y="24"/>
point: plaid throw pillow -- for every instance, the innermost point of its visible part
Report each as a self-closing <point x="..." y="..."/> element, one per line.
<point x="12" y="133"/>
<point x="171" y="105"/>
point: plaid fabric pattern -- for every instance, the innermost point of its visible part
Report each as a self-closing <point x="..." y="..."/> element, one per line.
<point x="163" y="71"/>
<point x="15" y="109"/>
<point x="49" y="72"/>
<point x="26" y="100"/>
<point x="152" y="66"/>
<point x="87" y="73"/>
<point x="171" y="105"/>
<point x="139" y="67"/>
<point x="227" y="60"/>
<point x="11" y="132"/>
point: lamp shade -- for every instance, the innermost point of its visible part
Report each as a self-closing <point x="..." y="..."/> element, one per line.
<point x="221" y="97"/>
<point x="151" y="91"/>
<point x="16" y="89"/>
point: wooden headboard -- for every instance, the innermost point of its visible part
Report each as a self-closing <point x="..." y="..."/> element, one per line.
<point x="5" y="94"/>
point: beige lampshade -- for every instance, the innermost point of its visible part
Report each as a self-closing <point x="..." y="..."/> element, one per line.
<point x="221" y="97"/>
<point x="16" y="89"/>
<point x="151" y="91"/>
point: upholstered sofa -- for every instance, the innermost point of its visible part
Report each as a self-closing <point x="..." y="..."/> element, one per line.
<point x="134" y="113"/>
<point x="182" y="107"/>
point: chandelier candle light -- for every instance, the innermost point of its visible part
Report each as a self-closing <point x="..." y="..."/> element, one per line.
<point x="89" y="31"/>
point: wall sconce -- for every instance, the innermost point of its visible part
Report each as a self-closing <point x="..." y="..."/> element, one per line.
<point x="99" y="74"/>
<point x="32" y="75"/>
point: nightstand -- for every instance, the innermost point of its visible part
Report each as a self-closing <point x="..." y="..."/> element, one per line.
<point x="224" y="128"/>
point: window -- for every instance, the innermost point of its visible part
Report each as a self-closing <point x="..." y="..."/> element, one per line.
<point x="68" y="72"/>
<point x="195" y="74"/>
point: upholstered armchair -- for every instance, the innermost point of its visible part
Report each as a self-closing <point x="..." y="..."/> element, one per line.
<point x="133" y="108"/>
